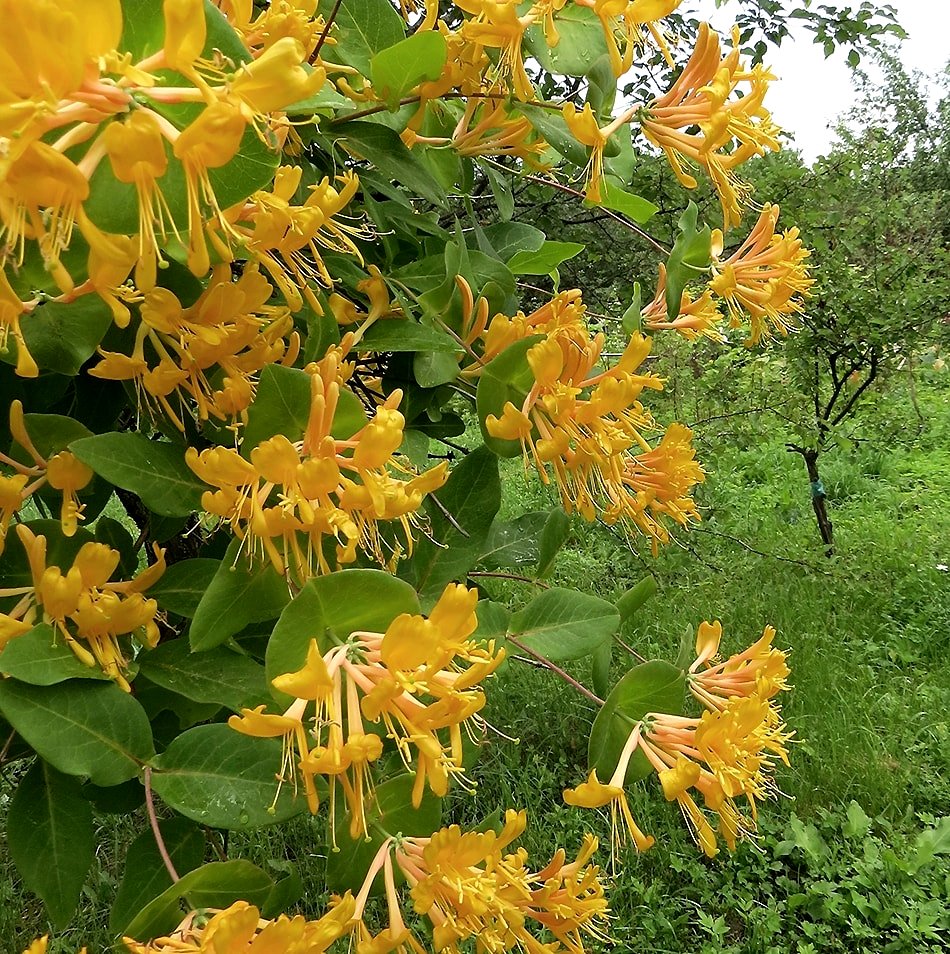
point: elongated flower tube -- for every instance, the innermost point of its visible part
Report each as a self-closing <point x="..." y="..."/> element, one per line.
<point x="730" y="131"/>
<point x="760" y="670"/>
<point x="416" y="685"/>
<point x="88" y="611"/>
<point x="765" y="279"/>
<point x="697" y="317"/>
<point x="496" y="24"/>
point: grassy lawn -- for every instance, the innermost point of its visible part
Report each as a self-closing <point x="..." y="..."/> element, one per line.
<point x="852" y="860"/>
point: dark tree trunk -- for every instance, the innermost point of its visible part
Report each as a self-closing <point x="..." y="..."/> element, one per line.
<point x="825" y="528"/>
<point x="818" y="501"/>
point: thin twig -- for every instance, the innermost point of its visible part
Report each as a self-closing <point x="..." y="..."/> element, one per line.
<point x="448" y="516"/>
<point x="6" y="747"/>
<point x="557" y="670"/>
<point x="608" y="213"/>
<point x="511" y="576"/>
<point x="156" y="831"/>
<point x="326" y="31"/>
<point x="629" y="649"/>
<point x="751" y="549"/>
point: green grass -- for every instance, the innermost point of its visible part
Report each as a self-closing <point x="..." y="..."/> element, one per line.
<point x="869" y="635"/>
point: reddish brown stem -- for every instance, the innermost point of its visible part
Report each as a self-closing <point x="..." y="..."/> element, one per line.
<point x="156" y="831"/>
<point x="557" y="670"/>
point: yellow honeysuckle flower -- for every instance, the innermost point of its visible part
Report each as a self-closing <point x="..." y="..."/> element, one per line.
<point x="469" y="887"/>
<point x="275" y="79"/>
<point x="136" y="151"/>
<point x="84" y="607"/>
<point x="185" y="33"/>
<point x="697" y="317"/>
<point x="583" y="427"/>
<point x="700" y="98"/>
<point x="68" y="474"/>
<point x="497" y="25"/>
<point x="766" y="278"/>
<point x="240" y="929"/>
<point x="418" y="681"/>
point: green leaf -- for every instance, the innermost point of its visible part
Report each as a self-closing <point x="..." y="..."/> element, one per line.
<point x="362" y="28"/>
<point x="215" y="885"/>
<point x="240" y="593"/>
<point x="81" y="728"/>
<point x="857" y="824"/>
<point x="52" y="433"/>
<point x="42" y="658"/>
<point x="550" y="125"/>
<point x="635" y="597"/>
<point x="544" y="260"/>
<point x="632" y="319"/>
<point x="388" y="812"/>
<point x="434" y="368"/>
<point x="508" y="377"/>
<point x="932" y="842"/>
<point x="382" y="146"/>
<point x="509" y="238"/>
<point x="331" y="607"/>
<point x="654" y="686"/>
<point x="395" y="70"/>
<point x="514" y="543"/>
<point x="51" y="839"/>
<point x="635" y="207"/>
<point x="581" y="42"/>
<point x="472" y="497"/>
<point x="281" y="406"/>
<point x="220" y="777"/>
<point x="154" y="470"/>
<point x="146" y="877"/>
<point x="553" y="537"/>
<point x="600" y="668"/>
<point x="181" y="586"/>
<point x="500" y="184"/>
<point x="563" y="624"/>
<point x="63" y="337"/>
<point x="492" y="620"/>
<point x="217" y="675"/>
<point x="402" y="334"/>
<point x="690" y="258"/>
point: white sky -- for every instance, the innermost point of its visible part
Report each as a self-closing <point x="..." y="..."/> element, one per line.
<point x="814" y="91"/>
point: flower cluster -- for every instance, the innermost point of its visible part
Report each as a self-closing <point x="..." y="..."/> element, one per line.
<point x="727" y="753"/>
<point x="230" y="329"/>
<point x="418" y="682"/>
<point x="76" y="108"/>
<point x="765" y="278"/>
<point x="727" y="131"/>
<point x="291" y="495"/>
<point x="584" y="427"/>
<point x="62" y="471"/>
<point x="90" y="613"/>
<point x="465" y="884"/>
<point x="240" y="929"/>
<point x="697" y="317"/>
